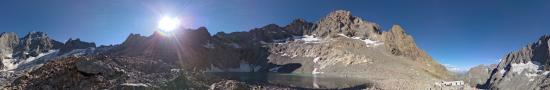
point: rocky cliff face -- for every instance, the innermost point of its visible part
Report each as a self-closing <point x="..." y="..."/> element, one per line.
<point x="527" y="68"/>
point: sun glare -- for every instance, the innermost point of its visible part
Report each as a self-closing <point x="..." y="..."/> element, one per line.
<point x="167" y="24"/>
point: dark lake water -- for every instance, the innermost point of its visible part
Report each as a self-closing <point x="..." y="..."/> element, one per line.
<point x="312" y="81"/>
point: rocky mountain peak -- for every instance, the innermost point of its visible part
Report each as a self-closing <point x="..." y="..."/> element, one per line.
<point x="339" y="15"/>
<point x="342" y="22"/>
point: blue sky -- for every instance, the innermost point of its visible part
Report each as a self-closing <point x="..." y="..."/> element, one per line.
<point x="461" y="33"/>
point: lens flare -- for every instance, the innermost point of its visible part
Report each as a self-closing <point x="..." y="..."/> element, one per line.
<point x="168" y="24"/>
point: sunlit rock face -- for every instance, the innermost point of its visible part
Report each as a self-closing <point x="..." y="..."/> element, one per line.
<point x="527" y="68"/>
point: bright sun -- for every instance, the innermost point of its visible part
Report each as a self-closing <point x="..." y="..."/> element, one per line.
<point x="168" y="24"/>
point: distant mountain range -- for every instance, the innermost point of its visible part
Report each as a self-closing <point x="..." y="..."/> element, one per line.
<point x="339" y="43"/>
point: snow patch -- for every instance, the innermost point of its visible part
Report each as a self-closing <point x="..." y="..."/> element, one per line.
<point x="368" y="42"/>
<point x="315" y="60"/>
<point x="502" y="72"/>
<point x="307" y="39"/>
<point x="529" y="66"/>
<point x="135" y="84"/>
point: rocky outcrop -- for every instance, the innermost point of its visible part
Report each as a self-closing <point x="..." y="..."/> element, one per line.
<point x="527" y="68"/>
<point x="75" y="44"/>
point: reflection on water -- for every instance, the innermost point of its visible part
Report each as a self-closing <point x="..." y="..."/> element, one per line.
<point x="294" y="80"/>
